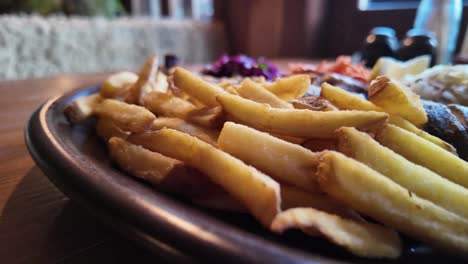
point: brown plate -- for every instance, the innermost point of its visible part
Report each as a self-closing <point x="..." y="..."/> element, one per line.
<point x="76" y="161"/>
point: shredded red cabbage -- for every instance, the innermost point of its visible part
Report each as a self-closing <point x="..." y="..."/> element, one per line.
<point x="226" y="66"/>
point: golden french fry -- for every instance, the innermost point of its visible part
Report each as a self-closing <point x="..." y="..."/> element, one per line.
<point x="297" y="122"/>
<point x="118" y="84"/>
<point x="373" y="194"/>
<point x="419" y="180"/>
<point x="282" y="160"/>
<point x="169" y="174"/>
<point x="211" y="117"/>
<point x="256" y="92"/>
<point x="345" y="100"/>
<point x="162" y="84"/>
<point x="167" y="105"/>
<point x="208" y="135"/>
<point x="106" y="129"/>
<point x="81" y="108"/>
<point x="289" y="88"/>
<point x="348" y="101"/>
<point x="146" y="81"/>
<point x="256" y="191"/>
<point x="313" y="103"/>
<point x="196" y="87"/>
<point x="406" y="125"/>
<point x="292" y="197"/>
<point x="128" y="117"/>
<point x="394" y="97"/>
<point x="424" y="153"/>
<point x="361" y="238"/>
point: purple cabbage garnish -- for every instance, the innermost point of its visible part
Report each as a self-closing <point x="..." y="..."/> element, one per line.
<point x="242" y="65"/>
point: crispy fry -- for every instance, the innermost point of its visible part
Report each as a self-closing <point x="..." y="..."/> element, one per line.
<point x="255" y="92"/>
<point x="106" y="129"/>
<point x="211" y="117"/>
<point x="282" y="160"/>
<point x="419" y="180"/>
<point x="347" y="101"/>
<point x="162" y="84"/>
<point x="255" y="190"/>
<point x="363" y="239"/>
<point x="167" y="105"/>
<point x="424" y="153"/>
<point x="169" y="174"/>
<point x="406" y="125"/>
<point x="394" y="97"/>
<point x="146" y="81"/>
<point x="313" y="103"/>
<point x="196" y="87"/>
<point x="289" y="88"/>
<point x="373" y="194"/>
<point x="82" y="108"/>
<point x="117" y="85"/>
<point x="128" y="117"/>
<point x="297" y="122"/>
<point x="208" y="135"/>
<point x="292" y="197"/>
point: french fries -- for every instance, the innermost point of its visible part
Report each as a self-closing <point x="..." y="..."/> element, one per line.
<point x="424" y="153"/>
<point x="408" y="126"/>
<point x="145" y="83"/>
<point x="373" y="194"/>
<point x="212" y="117"/>
<point x="347" y="101"/>
<point x="292" y="197"/>
<point x="167" y="105"/>
<point x="281" y="160"/>
<point x="196" y="87"/>
<point x="362" y="239"/>
<point x="289" y="88"/>
<point x="117" y="85"/>
<point x="81" y="108"/>
<point x="106" y="129"/>
<point x="262" y="147"/>
<point x="170" y="174"/>
<point x="259" y="193"/>
<point x="128" y="117"/>
<point x="255" y="92"/>
<point x="419" y="180"/>
<point x="297" y="122"/>
<point x="208" y="135"/>
<point x="394" y="97"/>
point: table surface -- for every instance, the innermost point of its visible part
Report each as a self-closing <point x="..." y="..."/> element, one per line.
<point x="38" y="224"/>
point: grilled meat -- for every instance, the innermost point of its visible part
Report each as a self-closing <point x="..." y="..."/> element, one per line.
<point x="449" y="124"/>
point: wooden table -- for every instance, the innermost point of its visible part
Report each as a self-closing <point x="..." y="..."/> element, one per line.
<point x="38" y="224"/>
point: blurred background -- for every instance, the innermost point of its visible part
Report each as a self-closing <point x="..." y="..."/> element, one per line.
<point x="48" y="37"/>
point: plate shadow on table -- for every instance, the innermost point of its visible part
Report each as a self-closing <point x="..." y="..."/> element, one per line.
<point x="40" y="225"/>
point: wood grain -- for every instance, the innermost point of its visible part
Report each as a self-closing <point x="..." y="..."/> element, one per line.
<point x="38" y="224"/>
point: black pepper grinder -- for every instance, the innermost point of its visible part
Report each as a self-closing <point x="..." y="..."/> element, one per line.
<point x="418" y="42"/>
<point x="380" y="42"/>
<point x="170" y="61"/>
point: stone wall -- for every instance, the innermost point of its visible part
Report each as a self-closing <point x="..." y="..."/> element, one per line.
<point x="34" y="46"/>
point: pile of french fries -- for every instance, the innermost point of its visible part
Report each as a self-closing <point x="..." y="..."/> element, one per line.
<point x="292" y="162"/>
